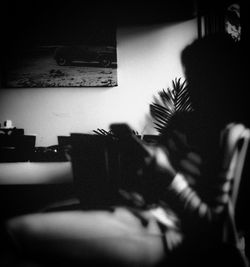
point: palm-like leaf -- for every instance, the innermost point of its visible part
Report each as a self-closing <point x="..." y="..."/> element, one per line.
<point x="109" y="133"/>
<point x="102" y="132"/>
<point x="168" y="103"/>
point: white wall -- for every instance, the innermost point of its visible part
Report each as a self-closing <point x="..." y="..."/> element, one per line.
<point x="148" y="60"/>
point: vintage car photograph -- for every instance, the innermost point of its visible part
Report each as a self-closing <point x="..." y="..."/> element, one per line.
<point x="62" y="66"/>
<point x="73" y="54"/>
<point x="60" y="48"/>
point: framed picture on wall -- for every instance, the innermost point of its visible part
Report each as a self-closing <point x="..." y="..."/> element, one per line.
<point x="58" y="44"/>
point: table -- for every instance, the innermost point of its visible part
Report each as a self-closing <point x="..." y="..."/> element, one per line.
<point x="14" y="173"/>
<point x="30" y="186"/>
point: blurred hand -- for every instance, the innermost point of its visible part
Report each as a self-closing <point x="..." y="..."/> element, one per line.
<point x="158" y="164"/>
<point x="183" y="157"/>
<point x="177" y="156"/>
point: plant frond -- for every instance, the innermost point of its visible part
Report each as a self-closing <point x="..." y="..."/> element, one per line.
<point x="103" y="132"/>
<point x="170" y="101"/>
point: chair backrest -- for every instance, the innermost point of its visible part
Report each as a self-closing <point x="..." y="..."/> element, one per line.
<point x="235" y="139"/>
<point x="95" y="164"/>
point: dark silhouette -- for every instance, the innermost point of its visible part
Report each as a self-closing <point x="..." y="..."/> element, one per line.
<point x="216" y="83"/>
